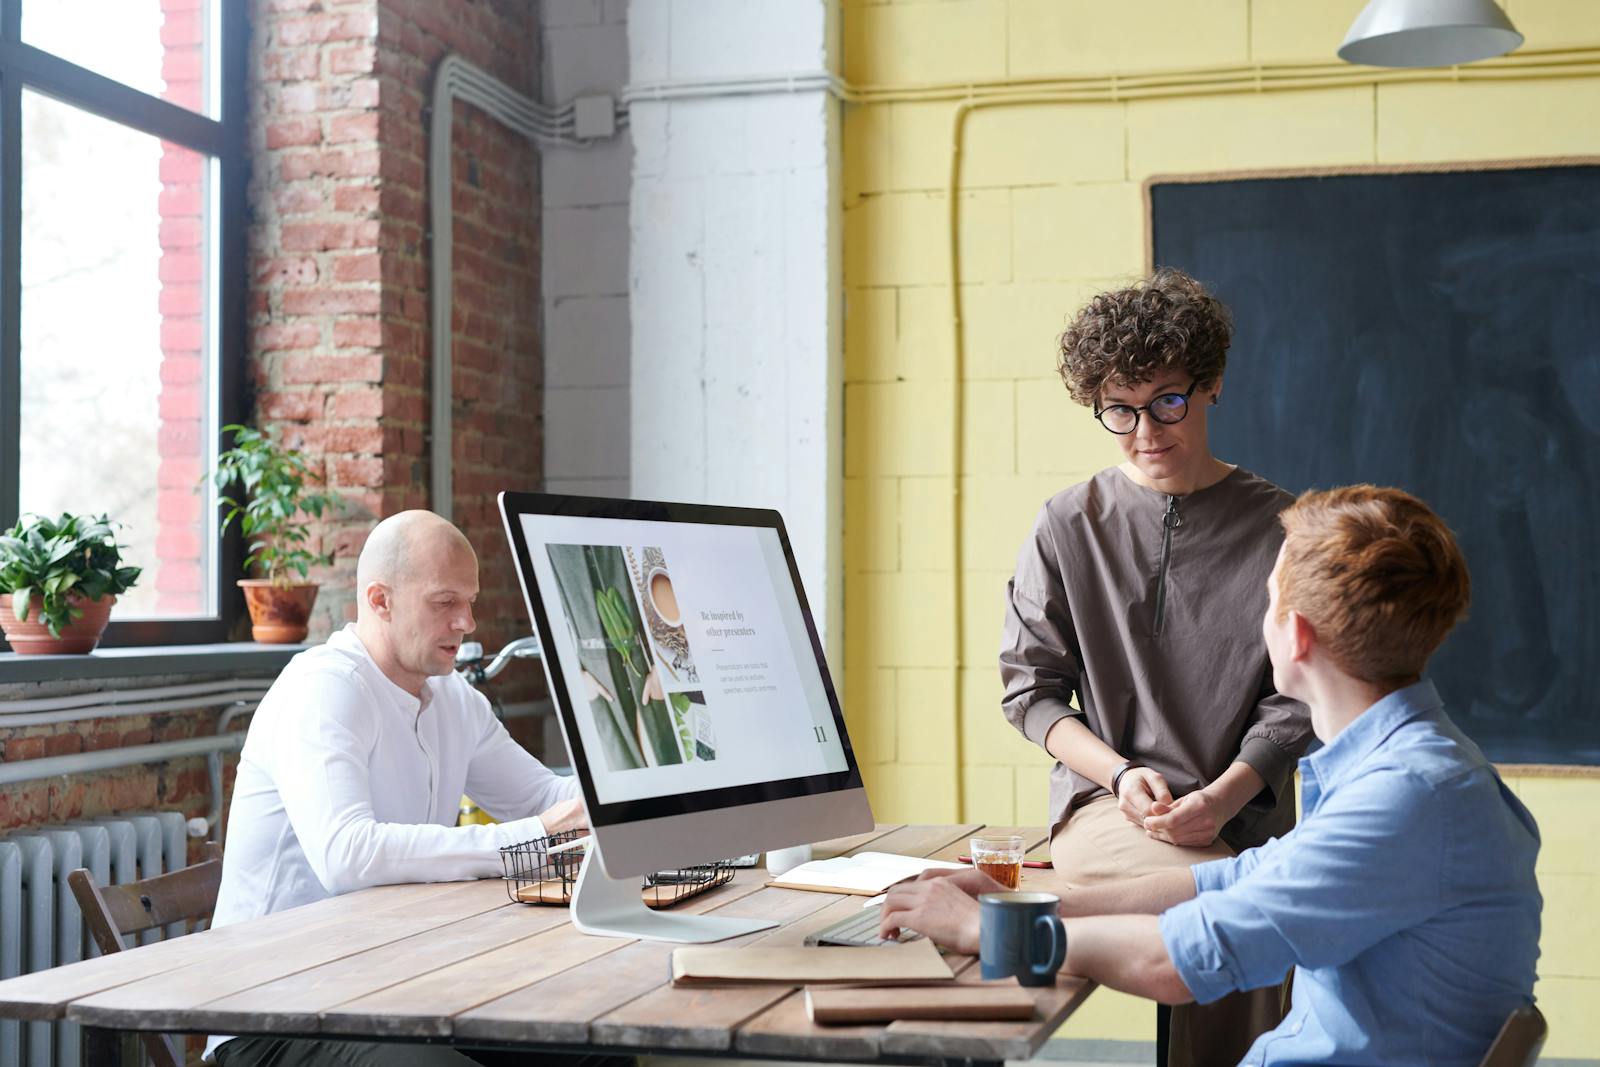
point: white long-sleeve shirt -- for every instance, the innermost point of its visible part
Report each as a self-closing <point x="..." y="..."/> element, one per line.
<point x="347" y="781"/>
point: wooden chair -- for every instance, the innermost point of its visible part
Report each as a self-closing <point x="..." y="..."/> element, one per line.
<point x="119" y="911"/>
<point x="1519" y="1040"/>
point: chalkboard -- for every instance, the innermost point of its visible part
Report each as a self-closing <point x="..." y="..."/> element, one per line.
<point x="1440" y="332"/>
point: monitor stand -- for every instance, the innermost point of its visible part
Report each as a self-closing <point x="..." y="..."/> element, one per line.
<point x="611" y="907"/>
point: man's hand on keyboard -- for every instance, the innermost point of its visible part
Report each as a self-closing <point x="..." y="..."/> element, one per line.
<point x="942" y="905"/>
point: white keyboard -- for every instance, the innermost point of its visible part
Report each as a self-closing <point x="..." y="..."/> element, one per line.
<point x="857" y="931"/>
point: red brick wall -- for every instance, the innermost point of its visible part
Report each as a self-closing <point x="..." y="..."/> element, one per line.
<point x="180" y="785"/>
<point x="338" y="322"/>
<point x="339" y="312"/>
<point x="180" y="553"/>
<point x="317" y="285"/>
<point x="498" y="363"/>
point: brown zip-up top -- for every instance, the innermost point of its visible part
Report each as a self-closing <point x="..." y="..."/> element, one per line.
<point x="1148" y="608"/>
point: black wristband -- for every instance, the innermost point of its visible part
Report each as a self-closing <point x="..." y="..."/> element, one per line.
<point x="1116" y="775"/>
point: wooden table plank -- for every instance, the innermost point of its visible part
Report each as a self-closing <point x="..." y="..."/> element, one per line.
<point x="175" y="1000"/>
<point x="560" y="1009"/>
<point x="668" y="1017"/>
<point x="459" y="962"/>
<point x="835" y="909"/>
<point x="559" y="1016"/>
<point x="786" y="1030"/>
<point x="46" y="994"/>
<point x="706" y="1019"/>
<point x="839" y="846"/>
<point x="425" y="1006"/>
<point x="296" y="1001"/>
<point x="990" y="1040"/>
<point x="923" y="840"/>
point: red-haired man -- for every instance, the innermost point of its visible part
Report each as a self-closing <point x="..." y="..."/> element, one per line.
<point x="1405" y="898"/>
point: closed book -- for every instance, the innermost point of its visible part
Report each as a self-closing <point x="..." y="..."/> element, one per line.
<point x="835" y="1006"/>
<point x="711" y="965"/>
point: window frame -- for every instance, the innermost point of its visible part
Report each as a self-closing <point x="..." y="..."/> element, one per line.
<point x="24" y="66"/>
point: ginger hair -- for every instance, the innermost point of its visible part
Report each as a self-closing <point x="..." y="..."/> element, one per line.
<point x="1377" y="574"/>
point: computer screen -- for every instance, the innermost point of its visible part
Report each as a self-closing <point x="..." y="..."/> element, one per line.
<point x="689" y="677"/>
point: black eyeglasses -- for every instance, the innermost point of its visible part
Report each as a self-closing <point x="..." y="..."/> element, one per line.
<point x="1167" y="408"/>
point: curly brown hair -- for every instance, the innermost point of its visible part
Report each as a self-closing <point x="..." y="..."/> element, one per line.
<point x="1128" y="336"/>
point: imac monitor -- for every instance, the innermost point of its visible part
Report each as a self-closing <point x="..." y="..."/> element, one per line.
<point x="692" y="692"/>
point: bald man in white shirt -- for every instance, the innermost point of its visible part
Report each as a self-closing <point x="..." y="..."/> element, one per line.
<point x="358" y="756"/>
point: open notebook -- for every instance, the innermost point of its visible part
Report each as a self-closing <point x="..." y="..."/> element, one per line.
<point x="865" y="874"/>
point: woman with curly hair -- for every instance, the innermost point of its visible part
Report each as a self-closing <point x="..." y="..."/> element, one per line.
<point x="1140" y="594"/>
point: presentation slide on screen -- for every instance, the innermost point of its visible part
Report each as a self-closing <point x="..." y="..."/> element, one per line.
<point x="685" y="654"/>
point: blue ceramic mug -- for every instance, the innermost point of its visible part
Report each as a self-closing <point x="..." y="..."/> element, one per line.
<point x="1021" y="934"/>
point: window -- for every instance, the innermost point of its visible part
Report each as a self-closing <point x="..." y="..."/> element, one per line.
<point x="121" y="285"/>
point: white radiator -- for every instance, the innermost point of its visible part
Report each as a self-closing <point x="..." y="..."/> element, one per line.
<point x="40" y="925"/>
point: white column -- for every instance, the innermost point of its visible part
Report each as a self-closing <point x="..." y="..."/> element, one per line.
<point x="735" y="274"/>
<point x="585" y="276"/>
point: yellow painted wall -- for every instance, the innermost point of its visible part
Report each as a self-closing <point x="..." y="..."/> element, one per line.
<point x="1051" y="212"/>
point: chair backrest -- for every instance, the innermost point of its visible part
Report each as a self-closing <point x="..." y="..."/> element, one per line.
<point x="1519" y="1041"/>
<point x="118" y="911"/>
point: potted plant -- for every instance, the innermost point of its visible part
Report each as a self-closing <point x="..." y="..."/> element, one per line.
<point x="58" y="581"/>
<point x="275" y="506"/>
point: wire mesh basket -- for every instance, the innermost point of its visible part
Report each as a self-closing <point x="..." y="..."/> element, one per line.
<point x="539" y="872"/>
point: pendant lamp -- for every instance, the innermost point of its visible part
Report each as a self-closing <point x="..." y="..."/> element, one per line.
<point x="1428" y="33"/>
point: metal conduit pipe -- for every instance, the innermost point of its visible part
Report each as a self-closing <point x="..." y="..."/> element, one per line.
<point x="105" y="759"/>
<point x="46" y="718"/>
<point x="1189" y="81"/>
<point x="811" y="81"/>
<point x="196" y="696"/>
<point x="122" y="696"/>
<point x="457" y="79"/>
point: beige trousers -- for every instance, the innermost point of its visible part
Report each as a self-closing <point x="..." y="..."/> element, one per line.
<point x="1097" y="844"/>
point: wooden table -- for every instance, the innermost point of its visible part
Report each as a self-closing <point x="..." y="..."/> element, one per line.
<point x="458" y="963"/>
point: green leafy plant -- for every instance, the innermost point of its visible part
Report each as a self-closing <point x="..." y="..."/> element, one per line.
<point x="618" y="623"/>
<point x="616" y="618"/>
<point x="680" y="717"/>
<point x="274" y="505"/>
<point x="52" y="559"/>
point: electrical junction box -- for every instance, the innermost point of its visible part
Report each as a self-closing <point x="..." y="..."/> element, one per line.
<point x="594" y="117"/>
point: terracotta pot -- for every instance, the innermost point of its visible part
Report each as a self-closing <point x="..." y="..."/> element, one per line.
<point x="32" y="638"/>
<point x="279" y="615"/>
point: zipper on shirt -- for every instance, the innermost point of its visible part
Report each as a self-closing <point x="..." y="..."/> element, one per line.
<point x="1169" y="522"/>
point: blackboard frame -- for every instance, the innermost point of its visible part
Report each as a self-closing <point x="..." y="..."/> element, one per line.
<point x="1359" y="169"/>
<point x="1538" y="770"/>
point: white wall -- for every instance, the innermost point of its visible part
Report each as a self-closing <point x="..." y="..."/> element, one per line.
<point x="585" y="190"/>
<point x="735" y="273"/>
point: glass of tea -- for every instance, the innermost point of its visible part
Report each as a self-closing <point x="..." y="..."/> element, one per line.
<point x="1000" y="858"/>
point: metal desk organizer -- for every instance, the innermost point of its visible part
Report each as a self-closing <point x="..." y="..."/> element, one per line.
<point x="535" y="875"/>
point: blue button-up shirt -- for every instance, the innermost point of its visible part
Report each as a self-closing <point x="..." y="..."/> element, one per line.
<point x="1406" y="899"/>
